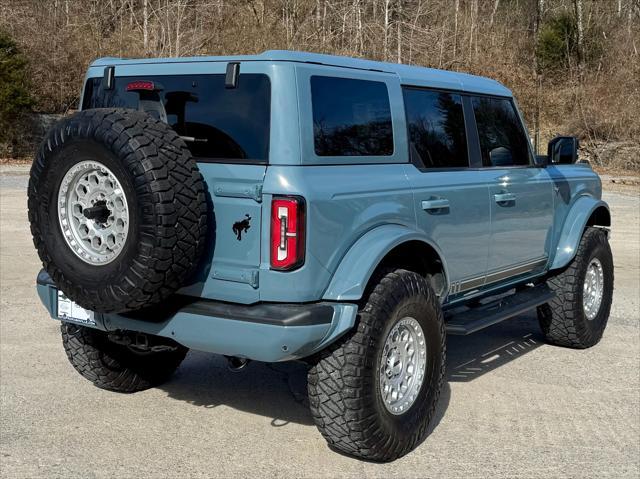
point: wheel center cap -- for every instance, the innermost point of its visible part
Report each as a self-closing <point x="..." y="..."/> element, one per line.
<point x="99" y="212"/>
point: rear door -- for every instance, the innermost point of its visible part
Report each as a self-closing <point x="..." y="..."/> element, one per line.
<point x="451" y="201"/>
<point x="228" y="132"/>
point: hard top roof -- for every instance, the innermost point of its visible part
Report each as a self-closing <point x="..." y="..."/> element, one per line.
<point x="408" y="74"/>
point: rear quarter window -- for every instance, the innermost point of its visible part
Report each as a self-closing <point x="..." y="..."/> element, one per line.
<point x="351" y="117"/>
<point x="217" y="123"/>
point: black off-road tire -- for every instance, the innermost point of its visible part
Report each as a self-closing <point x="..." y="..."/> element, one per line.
<point x="563" y="320"/>
<point x="167" y="208"/>
<point x="344" y="386"/>
<point x="116" y="367"/>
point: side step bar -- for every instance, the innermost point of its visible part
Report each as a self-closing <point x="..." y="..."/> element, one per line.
<point x="480" y="317"/>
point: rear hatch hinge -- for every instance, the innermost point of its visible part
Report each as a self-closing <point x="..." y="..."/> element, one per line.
<point x="238" y="190"/>
<point x="237" y="275"/>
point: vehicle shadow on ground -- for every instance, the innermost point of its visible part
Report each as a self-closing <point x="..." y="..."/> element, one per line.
<point x="469" y="357"/>
<point x="279" y="391"/>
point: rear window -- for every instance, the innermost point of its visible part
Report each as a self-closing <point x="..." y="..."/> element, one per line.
<point x="351" y="117"/>
<point x="435" y="121"/>
<point x="216" y="123"/>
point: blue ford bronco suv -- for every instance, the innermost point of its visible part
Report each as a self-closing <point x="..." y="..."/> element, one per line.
<point x="294" y="206"/>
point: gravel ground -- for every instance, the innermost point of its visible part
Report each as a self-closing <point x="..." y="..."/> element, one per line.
<point x="512" y="406"/>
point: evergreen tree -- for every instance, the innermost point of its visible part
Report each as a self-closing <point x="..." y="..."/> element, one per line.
<point x="15" y="100"/>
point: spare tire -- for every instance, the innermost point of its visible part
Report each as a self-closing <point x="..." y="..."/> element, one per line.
<point x="117" y="208"/>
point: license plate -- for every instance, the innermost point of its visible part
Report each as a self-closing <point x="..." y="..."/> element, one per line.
<point x="70" y="311"/>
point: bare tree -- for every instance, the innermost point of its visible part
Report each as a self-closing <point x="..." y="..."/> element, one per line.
<point x="473" y="29"/>
<point x="455" y="31"/>
<point x="577" y="4"/>
<point x="488" y="37"/>
<point x="399" y="30"/>
<point x="538" y="74"/>
<point x="496" y="5"/>
<point x="387" y="17"/>
<point x="145" y="25"/>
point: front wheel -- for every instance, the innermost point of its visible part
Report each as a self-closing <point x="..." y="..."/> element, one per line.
<point x="373" y="393"/>
<point x="578" y="315"/>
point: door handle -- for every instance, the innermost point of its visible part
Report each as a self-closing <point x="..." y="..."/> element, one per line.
<point x="439" y="204"/>
<point x="504" y="197"/>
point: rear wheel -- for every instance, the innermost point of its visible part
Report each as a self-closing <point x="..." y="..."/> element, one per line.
<point x="373" y="393"/>
<point x="578" y="315"/>
<point x="118" y="367"/>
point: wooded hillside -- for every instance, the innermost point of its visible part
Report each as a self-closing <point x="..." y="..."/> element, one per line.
<point x="574" y="65"/>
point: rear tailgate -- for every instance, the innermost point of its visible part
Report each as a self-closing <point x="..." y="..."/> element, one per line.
<point x="230" y="267"/>
<point x="227" y="129"/>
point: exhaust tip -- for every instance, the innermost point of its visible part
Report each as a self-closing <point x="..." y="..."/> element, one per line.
<point x="235" y="364"/>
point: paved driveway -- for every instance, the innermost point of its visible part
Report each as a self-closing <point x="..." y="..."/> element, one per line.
<point x="512" y="405"/>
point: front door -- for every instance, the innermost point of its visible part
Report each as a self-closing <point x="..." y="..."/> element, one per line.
<point x="521" y="194"/>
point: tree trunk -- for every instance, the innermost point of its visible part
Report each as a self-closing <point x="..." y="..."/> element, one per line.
<point x="455" y="29"/>
<point x="385" y="44"/>
<point x="538" y="76"/>
<point x="580" y="30"/>
<point x="473" y="29"/>
<point x="359" y="27"/>
<point x="496" y="4"/>
<point x="145" y="25"/>
<point x="399" y="30"/>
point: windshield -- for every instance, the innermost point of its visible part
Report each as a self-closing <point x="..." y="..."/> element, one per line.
<point x="217" y="123"/>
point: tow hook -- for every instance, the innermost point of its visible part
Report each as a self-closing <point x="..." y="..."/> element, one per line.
<point x="236" y="364"/>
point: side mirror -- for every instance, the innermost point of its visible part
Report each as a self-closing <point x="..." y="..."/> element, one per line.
<point x="563" y="150"/>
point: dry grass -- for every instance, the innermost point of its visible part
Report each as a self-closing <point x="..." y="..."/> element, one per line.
<point x="597" y="99"/>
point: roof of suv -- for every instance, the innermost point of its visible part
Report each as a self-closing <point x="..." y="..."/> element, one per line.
<point x="408" y="74"/>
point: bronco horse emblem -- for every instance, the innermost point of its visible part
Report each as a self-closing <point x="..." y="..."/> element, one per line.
<point x="240" y="226"/>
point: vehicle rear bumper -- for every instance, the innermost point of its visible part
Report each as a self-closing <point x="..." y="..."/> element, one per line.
<point x="267" y="332"/>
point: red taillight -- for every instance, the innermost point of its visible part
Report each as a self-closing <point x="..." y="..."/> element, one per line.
<point x="287" y="233"/>
<point x="140" y="85"/>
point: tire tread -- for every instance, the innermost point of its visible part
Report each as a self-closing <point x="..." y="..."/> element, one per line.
<point x="339" y="382"/>
<point x="562" y="319"/>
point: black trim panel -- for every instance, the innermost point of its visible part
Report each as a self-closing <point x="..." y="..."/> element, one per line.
<point x="230" y="161"/>
<point x="275" y="314"/>
<point x="480" y="317"/>
<point x="265" y="313"/>
<point x="473" y="140"/>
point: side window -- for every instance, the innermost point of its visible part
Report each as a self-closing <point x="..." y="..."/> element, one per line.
<point x="435" y="123"/>
<point x="503" y="141"/>
<point x="351" y="117"/>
